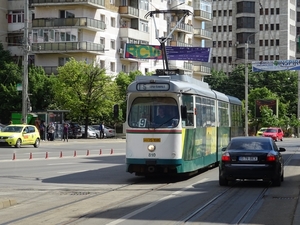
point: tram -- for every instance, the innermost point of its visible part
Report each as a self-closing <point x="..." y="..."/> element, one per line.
<point x="177" y="124"/>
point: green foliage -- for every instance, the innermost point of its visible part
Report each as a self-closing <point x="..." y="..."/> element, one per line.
<point x="85" y="90"/>
<point x="123" y="80"/>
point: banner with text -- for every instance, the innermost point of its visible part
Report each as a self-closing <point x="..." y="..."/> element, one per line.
<point x="173" y="52"/>
<point x="277" y="65"/>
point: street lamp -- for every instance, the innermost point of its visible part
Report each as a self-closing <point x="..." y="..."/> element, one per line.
<point x="246" y="83"/>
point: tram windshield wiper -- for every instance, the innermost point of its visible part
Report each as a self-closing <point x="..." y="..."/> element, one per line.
<point x="160" y="125"/>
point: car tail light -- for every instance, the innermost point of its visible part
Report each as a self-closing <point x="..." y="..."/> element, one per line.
<point x="270" y="157"/>
<point x="226" y="157"/>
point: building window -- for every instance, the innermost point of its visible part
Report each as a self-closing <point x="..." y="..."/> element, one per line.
<point x="267" y="11"/>
<point x="266" y="26"/>
<point x="124" y="68"/>
<point x="261" y="27"/>
<point x="214" y="28"/>
<point x="271" y="57"/>
<point x="214" y="59"/>
<point x="272" y="11"/>
<point x="277" y="12"/>
<point x="246" y="7"/>
<point x="230" y="28"/>
<point x="277" y="42"/>
<point x="245" y="22"/>
<point x="266" y="42"/>
<point x="214" y="44"/>
<point x="224" y="43"/>
<point x="220" y="28"/>
<point x="15" y="17"/>
<point x="225" y="28"/>
<point x="225" y="12"/>
<point x="62" y="61"/>
<point x="230" y="43"/>
<point x="102" y="64"/>
<point x="219" y="59"/>
<point x="272" y="26"/>
<point x="112" y="66"/>
<point x="261" y="42"/>
<point x="102" y="41"/>
<point x="272" y="42"/>
<point x="113" y="22"/>
<point x="230" y="59"/>
<point x="230" y="12"/>
<point x="219" y="44"/>
<point x="277" y="57"/>
<point x="266" y="57"/>
<point x="214" y="13"/>
<point x="224" y="59"/>
<point x="220" y="13"/>
<point x="260" y="58"/>
<point x="277" y="26"/>
<point x="113" y="44"/>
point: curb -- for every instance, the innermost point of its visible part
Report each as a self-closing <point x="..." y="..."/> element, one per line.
<point x="7" y="203"/>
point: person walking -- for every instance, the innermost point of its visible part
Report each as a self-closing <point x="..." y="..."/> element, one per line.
<point x="65" y="132"/>
<point x="42" y="130"/>
<point x="101" y="129"/>
<point x="51" y="130"/>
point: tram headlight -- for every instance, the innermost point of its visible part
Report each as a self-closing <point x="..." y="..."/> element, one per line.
<point x="151" y="148"/>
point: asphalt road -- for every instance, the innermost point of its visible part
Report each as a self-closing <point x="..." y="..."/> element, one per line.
<point x="95" y="189"/>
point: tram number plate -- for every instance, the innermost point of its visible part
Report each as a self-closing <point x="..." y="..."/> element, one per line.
<point x="151" y="139"/>
<point x="151" y="154"/>
<point x="247" y="158"/>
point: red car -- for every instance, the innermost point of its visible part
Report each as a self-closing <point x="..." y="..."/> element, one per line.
<point x="275" y="133"/>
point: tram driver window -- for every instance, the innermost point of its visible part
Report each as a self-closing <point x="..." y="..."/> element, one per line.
<point x="187" y="100"/>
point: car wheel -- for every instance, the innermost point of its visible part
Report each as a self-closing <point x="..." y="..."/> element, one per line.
<point x="276" y="139"/>
<point x="37" y="143"/>
<point x="281" y="139"/>
<point x="277" y="181"/>
<point x="223" y="181"/>
<point x="18" y="143"/>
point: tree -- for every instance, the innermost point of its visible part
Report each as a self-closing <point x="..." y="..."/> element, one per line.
<point x="85" y="90"/>
<point x="123" y="80"/>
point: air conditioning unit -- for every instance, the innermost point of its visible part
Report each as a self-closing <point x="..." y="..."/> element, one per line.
<point x="121" y="51"/>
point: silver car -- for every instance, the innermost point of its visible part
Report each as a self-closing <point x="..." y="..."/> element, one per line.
<point x="108" y="132"/>
<point x="90" y="132"/>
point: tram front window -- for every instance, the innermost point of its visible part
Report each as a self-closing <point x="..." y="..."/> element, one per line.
<point x="153" y="113"/>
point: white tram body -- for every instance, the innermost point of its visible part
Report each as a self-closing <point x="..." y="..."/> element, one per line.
<point x="177" y="124"/>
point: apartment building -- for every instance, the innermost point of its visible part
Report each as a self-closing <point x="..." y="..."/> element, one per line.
<point x="269" y="27"/>
<point x="97" y="30"/>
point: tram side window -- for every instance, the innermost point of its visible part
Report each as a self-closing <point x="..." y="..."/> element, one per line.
<point x="187" y="100"/>
<point x="223" y="114"/>
<point x="206" y="112"/>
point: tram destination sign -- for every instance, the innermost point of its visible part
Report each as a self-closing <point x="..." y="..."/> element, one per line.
<point x="153" y="87"/>
<point x="136" y="51"/>
<point x="277" y="65"/>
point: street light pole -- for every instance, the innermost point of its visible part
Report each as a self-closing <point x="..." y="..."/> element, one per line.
<point x="246" y="86"/>
<point x="25" y="65"/>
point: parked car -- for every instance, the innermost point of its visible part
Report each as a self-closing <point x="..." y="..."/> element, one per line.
<point x="74" y="130"/>
<point x="90" y="132"/>
<point x="108" y="131"/>
<point x="261" y="131"/>
<point x="251" y="158"/>
<point x="95" y="128"/>
<point x="275" y="133"/>
<point x="20" y="134"/>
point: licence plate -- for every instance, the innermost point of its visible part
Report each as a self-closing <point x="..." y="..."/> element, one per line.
<point x="2" y="140"/>
<point x="247" y="158"/>
<point x="151" y="139"/>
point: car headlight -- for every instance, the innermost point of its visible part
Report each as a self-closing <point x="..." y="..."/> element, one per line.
<point x="13" y="136"/>
<point x="151" y="148"/>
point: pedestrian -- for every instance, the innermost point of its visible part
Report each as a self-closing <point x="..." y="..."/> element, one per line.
<point x="101" y="129"/>
<point x="65" y="132"/>
<point x="37" y="123"/>
<point x="51" y="130"/>
<point x="42" y="130"/>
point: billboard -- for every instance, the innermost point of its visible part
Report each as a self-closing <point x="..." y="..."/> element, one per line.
<point x="277" y="65"/>
<point x="136" y="51"/>
<point x="271" y="103"/>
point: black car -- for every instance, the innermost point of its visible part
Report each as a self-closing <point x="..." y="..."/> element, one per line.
<point x="251" y="158"/>
<point x="74" y="130"/>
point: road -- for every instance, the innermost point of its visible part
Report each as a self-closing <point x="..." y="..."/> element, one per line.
<point x="92" y="187"/>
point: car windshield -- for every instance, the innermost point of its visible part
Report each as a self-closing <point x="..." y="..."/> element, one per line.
<point x="271" y="131"/>
<point x="262" y="129"/>
<point x="244" y="144"/>
<point x="14" y="129"/>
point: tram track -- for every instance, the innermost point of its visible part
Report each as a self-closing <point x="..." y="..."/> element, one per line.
<point x="37" y="215"/>
<point x="244" y="215"/>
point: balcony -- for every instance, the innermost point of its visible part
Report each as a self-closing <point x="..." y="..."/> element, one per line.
<point x="182" y="27"/>
<point x="99" y="4"/>
<point x="202" y="15"/>
<point x="59" y="47"/>
<point x="134" y="34"/>
<point x="79" y="22"/>
<point x="50" y="70"/>
<point x="202" y="34"/>
<point x="129" y="12"/>
<point x="200" y="69"/>
<point x="180" y="44"/>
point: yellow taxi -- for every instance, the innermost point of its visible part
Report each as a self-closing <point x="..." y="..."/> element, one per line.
<point x="20" y="134"/>
<point x="261" y="131"/>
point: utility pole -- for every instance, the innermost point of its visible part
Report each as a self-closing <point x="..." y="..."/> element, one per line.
<point x="25" y="64"/>
<point x="246" y="87"/>
<point x="298" y="108"/>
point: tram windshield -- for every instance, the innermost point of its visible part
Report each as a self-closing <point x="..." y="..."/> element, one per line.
<point x="149" y="112"/>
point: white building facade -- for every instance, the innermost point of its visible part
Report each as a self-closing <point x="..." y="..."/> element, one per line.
<point x="96" y="31"/>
